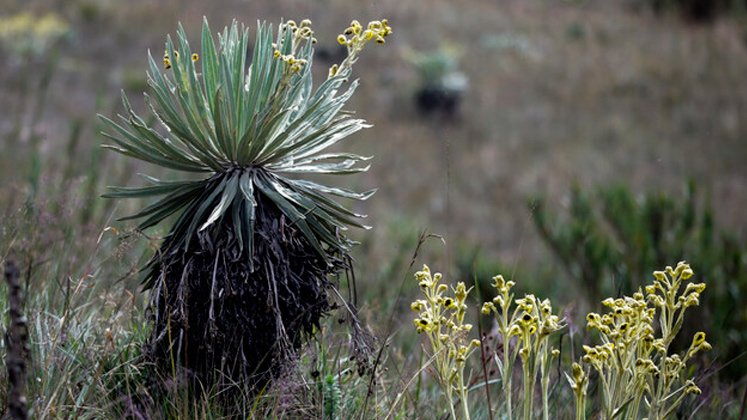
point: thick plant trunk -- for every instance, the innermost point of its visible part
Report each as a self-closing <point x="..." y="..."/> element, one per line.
<point x="221" y="322"/>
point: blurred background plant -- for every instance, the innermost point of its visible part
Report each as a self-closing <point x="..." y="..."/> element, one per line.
<point x="608" y="238"/>
<point x="442" y="84"/>
<point x="26" y="34"/>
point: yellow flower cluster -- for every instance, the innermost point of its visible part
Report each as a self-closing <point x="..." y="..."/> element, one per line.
<point x="441" y="319"/>
<point x="300" y="34"/>
<point x="355" y="38"/>
<point x="633" y="364"/>
<point x="532" y="321"/>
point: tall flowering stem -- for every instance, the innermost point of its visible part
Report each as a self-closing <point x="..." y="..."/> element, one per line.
<point x="532" y="322"/>
<point x="634" y="365"/>
<point x="441" y="319"/>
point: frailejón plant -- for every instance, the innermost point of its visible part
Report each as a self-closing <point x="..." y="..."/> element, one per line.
<point x="243" y="273"/>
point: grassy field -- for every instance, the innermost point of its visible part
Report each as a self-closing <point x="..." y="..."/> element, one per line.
<point x="559" y="93"/>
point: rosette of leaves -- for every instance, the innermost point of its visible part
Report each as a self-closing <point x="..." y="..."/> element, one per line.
<point x="244" y="272"/>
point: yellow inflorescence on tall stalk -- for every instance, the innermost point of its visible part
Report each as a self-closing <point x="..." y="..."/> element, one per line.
<point x="441" y="319"/>
<point x="637" y="373"/>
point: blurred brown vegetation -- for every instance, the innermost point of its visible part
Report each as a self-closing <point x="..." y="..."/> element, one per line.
<point x="559" y="91"/>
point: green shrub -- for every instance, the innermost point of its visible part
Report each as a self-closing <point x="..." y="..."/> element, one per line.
<point x="614" y="235"/>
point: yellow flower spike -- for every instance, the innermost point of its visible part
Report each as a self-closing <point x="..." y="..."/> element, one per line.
<point x="195" y="57"/>
<point x="332" y="71"/>
<point x="368" y="35"/>
<point x="341" y="39"/>
<point x="166" y="63"/>
<point x="660" y="275"/>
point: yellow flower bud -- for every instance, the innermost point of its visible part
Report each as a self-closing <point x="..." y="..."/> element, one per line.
<point x="341" y="39"/>
<point x="487" y="307"/>
<point x="195" y="57"/>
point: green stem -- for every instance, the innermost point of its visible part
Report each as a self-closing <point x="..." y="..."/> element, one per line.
<point x="463" y="394"/>
<point x="450" y="401"/>
<point x="507" y="378"/>
<point x="580" y="406"/>
<point x="528" y="388"/>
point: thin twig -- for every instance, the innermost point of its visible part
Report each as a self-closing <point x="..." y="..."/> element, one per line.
<point x="424" y="236"/>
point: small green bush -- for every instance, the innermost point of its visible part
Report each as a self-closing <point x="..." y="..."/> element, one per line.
<point x="615" y="235"/>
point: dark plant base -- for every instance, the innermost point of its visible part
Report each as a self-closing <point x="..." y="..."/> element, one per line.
<point x="437" y="100"/>
<point x="221" y="324"/>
